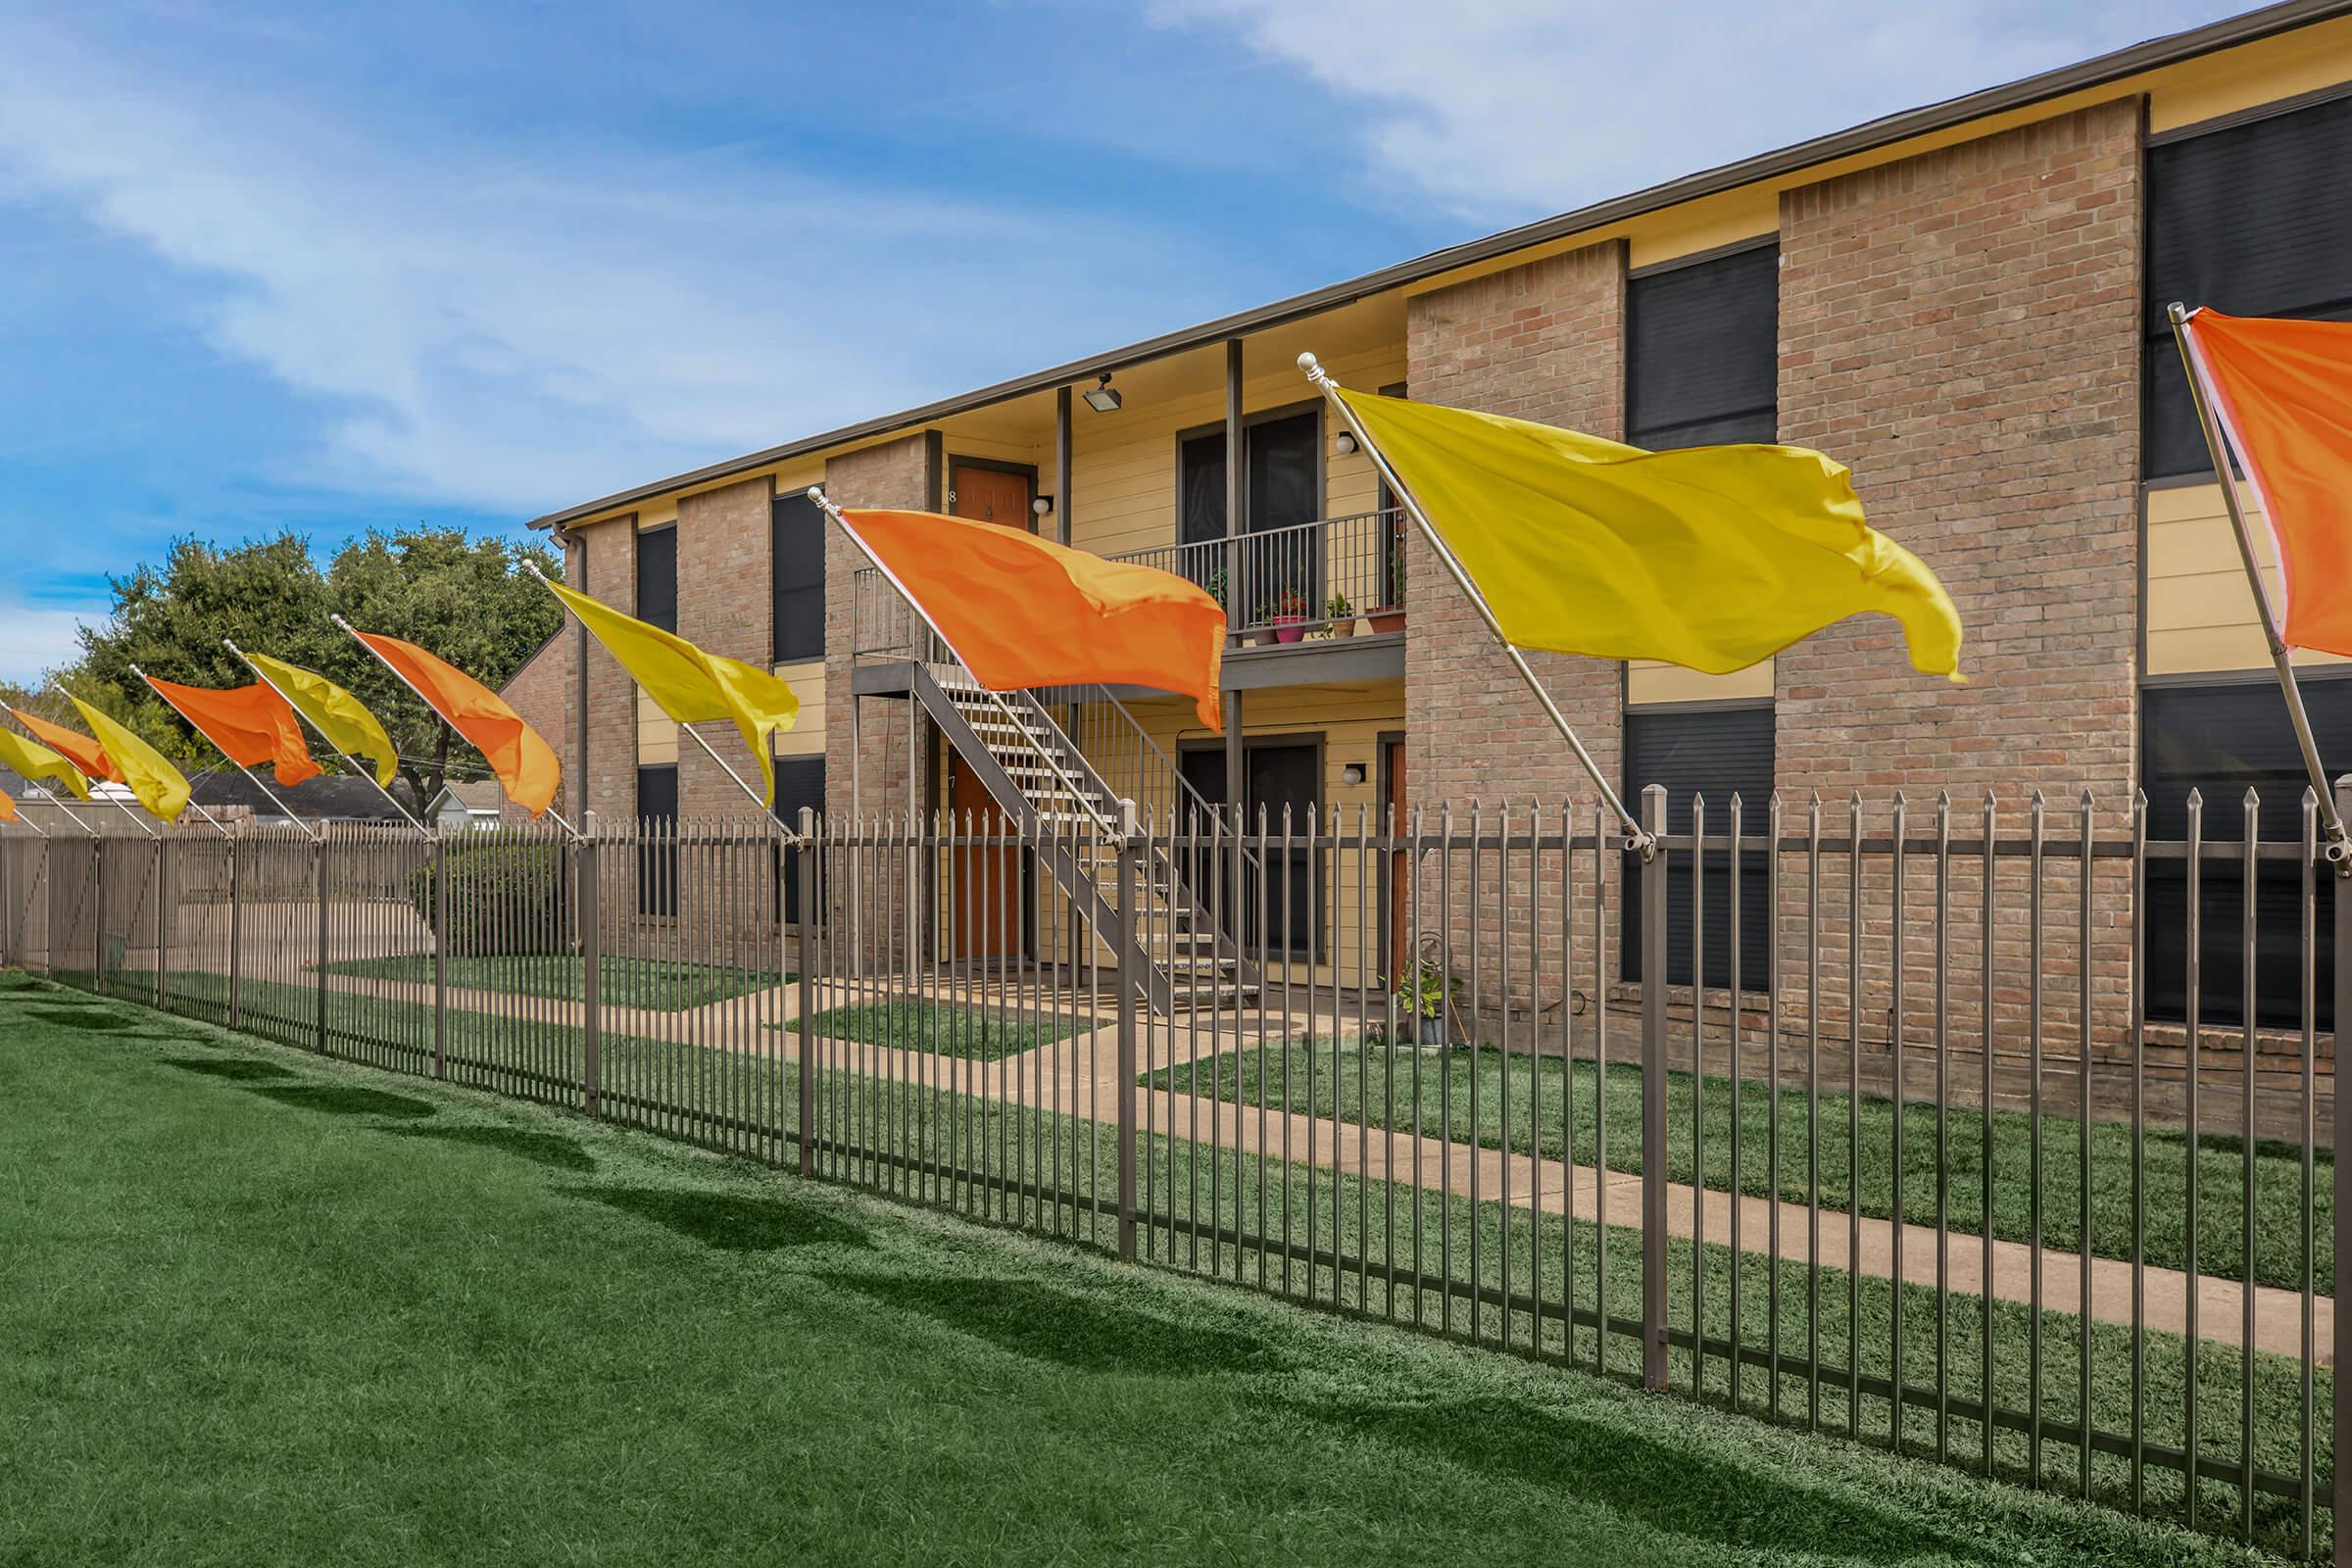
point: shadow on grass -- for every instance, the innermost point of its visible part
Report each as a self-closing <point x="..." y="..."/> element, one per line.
<point x="228" y="1067"/>
<point x="1664" y="1485"/>
<point x="728" y="1221"/>
<point x="541" y="1149"/>
<point x="98" y="1019"/>
<point x="338" y="1100"/>
<point x="1069" y="1330"/>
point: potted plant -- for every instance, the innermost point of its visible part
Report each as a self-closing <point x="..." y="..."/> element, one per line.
<point x="1424" y="995"/>
<point x="1261" y="620"/>
<point x="1392" y="618"/>
<point x="1288" y="615"/>
<point x="1214" y="587"/>
<point x="1342" y="616"/>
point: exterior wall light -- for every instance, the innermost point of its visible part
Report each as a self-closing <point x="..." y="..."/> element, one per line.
<point x="1103" y="398"/>
<point x="1353" y="773"/>
<point x="1043" y="506"/>
<point x="1346" y="443"/>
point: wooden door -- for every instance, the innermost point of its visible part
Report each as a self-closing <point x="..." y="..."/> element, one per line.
<point x="986" y="890"/>
<point x="992" y="495"/>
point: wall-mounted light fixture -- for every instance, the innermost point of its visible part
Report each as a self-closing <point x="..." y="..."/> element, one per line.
<point x="1353" y="773"/>
<point x="1346" y="443"/>
<point x="1043" y="506"/>
<point x="1103" y="398"/>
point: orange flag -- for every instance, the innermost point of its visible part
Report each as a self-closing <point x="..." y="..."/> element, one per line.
<point x="252" y="725"/>
<point x="525" y="765"/>
<point x="1025" y="612"/>
<point x="2283" y="393"/>
<point x="76" y="748"/>
<point x="8" y="807"/>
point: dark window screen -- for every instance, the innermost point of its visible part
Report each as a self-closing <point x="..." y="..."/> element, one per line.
<point x="1702" y="351"/>
<point x="658" y="578"/>
<point x="2221" y="740"/>
<point x="1276" y="778"/>
<point x="1719" y="754"/>
<point x="1201" y="465"/>
<point x="2255" y="220"/>
<point x="800" y="782"/>
<point x="658" y="854"/>
<point x="796" y="553"/>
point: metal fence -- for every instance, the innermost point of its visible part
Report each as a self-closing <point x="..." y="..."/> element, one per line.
<point x="1916" y="1159"/>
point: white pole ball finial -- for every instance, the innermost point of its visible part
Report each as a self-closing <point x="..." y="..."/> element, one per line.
<point x="1306" y="359"/>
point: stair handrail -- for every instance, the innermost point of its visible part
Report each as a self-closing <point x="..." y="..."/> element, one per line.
<point x="1089" y="790"/>
<point x="1198" y="800"/>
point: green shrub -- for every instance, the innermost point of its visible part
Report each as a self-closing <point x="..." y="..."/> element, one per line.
<point x="503" y="898"/>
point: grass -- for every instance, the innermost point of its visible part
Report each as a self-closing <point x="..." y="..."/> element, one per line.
<point x="657" y="984"/>
<point x="262" y="1330"/>
<point x="1465" y="1096"/>
<point x="975" y="1034"/>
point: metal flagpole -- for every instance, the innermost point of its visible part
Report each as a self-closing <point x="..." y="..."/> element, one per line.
<point x="1637" y="836"/>
<point x="2210" y="421"/>
<point x="124" y="810"/>
<point x="251" y="777"/>
<point x="366" y="773"/>
<point x="791" y="835"/>
<point x="217" y="827"/>
<point x="71" y="815"/>
<point x="437" y="713"/>
<point x="24" y="821"/>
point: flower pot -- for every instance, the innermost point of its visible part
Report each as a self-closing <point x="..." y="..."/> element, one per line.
<point x="1263" y="637"/>
<point x="1429" y="1031"/>
<point x="1386" y="620"/>
<point x="1288" y="628"/>
<point x="1344" y="628"/>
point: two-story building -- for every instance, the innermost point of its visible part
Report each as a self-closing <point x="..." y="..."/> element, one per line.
<point x="1965" y="303"/>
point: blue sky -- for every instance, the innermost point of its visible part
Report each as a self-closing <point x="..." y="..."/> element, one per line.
<point x="320" y="267"/>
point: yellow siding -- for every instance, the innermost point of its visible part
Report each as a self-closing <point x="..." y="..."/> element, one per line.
<point x="657" y="734"/>
<point x="1749" y="213"/>
<point x="807" y="738"/>
<point x="1647" y="680"/>
<point x="2200" y="614"/>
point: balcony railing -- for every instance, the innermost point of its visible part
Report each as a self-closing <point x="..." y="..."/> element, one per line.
<point x="1329" y="576"/>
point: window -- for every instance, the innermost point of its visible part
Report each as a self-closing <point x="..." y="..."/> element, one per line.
<point x="1277" y="777"/>
<point x="800" y="782"/>
<point x="2221" y="740"/>
<point x="1702" y="351"/>
<point x="1720" y="751"/>
<point x="1283" y="489"/>
<point x="2255" y="220"/>
<point x="658" y="578"/>
<point x="658" y="851"/>
<point x="797" y="561"/>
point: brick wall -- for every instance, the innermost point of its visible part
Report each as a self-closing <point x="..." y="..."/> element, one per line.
<point x="871" y="748"/>
<point x="612" y="694"/>
<point x="725" y="604"/>
<point x="544" y="692"/>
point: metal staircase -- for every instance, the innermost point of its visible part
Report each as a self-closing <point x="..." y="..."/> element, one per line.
<point x="1044" y="780"/>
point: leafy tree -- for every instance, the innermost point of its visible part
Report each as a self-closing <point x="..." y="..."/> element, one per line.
<point x="462" y="599"/>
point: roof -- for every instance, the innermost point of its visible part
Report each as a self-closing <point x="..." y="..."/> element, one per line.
<point x="475" y="795"/>
<point x="337" y="797"/>
<point x="1862" y="138"/>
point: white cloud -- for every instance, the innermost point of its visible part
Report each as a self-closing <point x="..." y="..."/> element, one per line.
<point x="36" y="641"/>
<point x="521" y="327"/>
<point x="1515" y="108"/>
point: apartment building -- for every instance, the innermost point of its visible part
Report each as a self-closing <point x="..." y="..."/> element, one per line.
<point x="1963" y="302"/>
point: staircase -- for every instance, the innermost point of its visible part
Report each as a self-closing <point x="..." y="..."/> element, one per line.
<point x="1042" y="778"/>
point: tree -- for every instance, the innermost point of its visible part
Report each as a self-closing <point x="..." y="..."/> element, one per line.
<point x="462" y="599"/>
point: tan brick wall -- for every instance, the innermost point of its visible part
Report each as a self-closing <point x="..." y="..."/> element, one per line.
<point x="725" y="604"/>
<point x="544" y="692"/>
<point x="872" y="747"/>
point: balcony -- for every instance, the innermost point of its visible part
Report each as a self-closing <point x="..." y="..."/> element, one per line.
<point x="1332" y="588"/>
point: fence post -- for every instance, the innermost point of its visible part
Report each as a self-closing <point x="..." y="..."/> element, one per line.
<point x="441" y="925"/>
<point x="164" y="857"/>
<point x="318" y="861"/>
<point x="236" y="925"/>
<point x="1654" y="1094"/>
<point x="1129" y="978"/>
<point x="805" y="874"/>
<point x="589" y="885"/>
<point x="2343" y="1140"/>
<point x="98" y="910"/>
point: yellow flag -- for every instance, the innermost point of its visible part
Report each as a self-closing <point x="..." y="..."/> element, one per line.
<point x="37" y="762"/>
<point x="157" y="785"/>
<point x="340" y="716"/>
<point x="1712" y="557"/>
<point x="690" y="685"/>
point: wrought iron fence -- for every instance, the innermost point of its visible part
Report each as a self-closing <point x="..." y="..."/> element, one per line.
<point x="1922" y="1165"/>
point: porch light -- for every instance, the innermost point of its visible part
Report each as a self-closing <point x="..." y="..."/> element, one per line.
<point x="1104" y="398"/>
<point x="1043" y="506"/>
<point x="1353" y="773"/>
<point x="1346" y="443"/>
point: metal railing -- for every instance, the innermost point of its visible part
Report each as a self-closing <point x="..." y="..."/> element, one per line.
<point x="1919" y="1162"/>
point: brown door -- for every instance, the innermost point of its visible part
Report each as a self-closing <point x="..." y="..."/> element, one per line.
<point x="993" y="496"/>
<point x="986" y="890"/>
<point x="1400" y="865"/>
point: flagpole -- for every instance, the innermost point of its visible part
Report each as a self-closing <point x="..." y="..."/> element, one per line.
<point x="251" y="777"/>
<point x="192" y="801"/>
<point x="437" y="713"/>
<point x="368" y="773"/>
<point x="118" y="805"/>
<point x="791" y="835"/>
<point x="2209" y="421"/>
<point x="1638" y="837"/>
<point x="24" y="821"/>
<point x="71" y="815"/>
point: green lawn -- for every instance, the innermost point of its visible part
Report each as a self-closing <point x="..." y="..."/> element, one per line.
<point x="266" y="1309"/>
<point x="1469" y="1094"/>
<point x="624" y="982"/>
<point x="974" y="1033"/>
